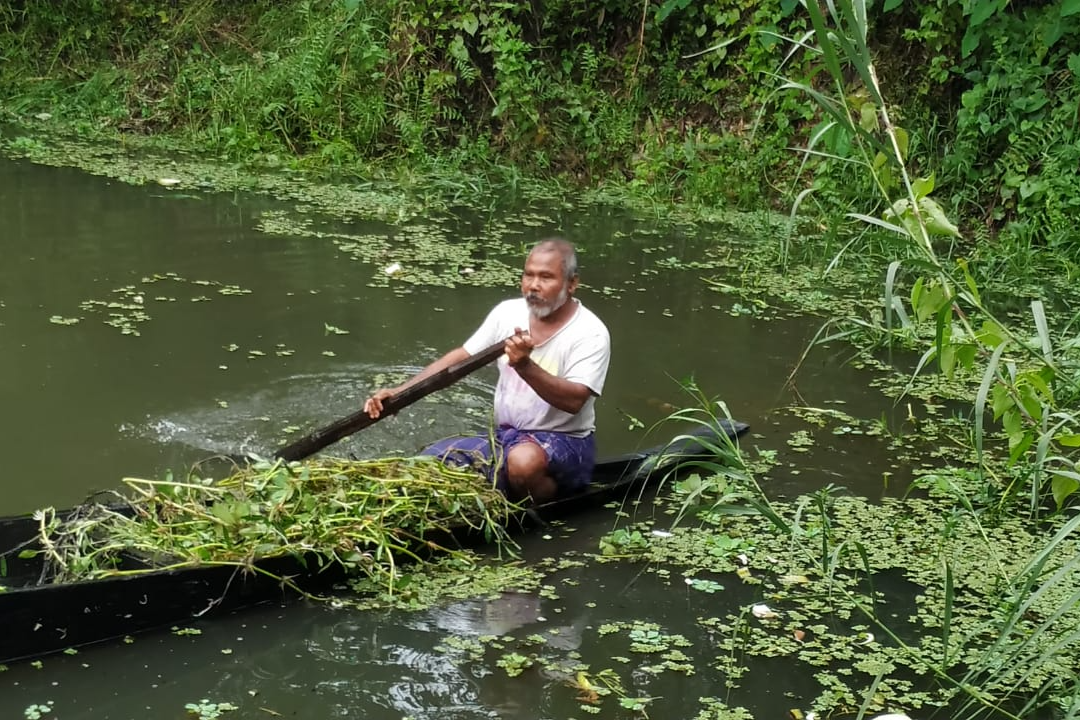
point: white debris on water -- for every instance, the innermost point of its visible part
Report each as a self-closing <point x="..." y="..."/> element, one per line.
<point x="763" y="612"/>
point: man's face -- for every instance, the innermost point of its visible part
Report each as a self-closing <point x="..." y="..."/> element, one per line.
<point x="543" y="283"/>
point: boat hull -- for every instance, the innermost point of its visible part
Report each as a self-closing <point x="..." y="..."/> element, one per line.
<point x="45" y="618"/>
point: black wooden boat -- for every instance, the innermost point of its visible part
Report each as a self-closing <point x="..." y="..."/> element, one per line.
<point x="43" y="618"/>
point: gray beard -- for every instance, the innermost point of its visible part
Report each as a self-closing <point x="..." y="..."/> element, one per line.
<point x="539" y="311"/>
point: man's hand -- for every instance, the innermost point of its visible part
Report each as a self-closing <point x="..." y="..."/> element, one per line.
<point x="373" y="406"/>
<point x="518" y="348"/>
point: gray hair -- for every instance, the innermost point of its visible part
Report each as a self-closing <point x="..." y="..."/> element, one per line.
<point x="566" y="251"/>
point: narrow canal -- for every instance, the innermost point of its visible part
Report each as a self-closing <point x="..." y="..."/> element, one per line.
<point x="143" y="329"/>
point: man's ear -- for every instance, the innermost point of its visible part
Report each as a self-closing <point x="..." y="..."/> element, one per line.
<point x="572" y="285"/>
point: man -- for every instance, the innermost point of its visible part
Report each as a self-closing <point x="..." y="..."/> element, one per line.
<point x="553" y="370"/>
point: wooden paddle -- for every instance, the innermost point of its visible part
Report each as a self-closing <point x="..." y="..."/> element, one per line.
<point x="316" y="440"/>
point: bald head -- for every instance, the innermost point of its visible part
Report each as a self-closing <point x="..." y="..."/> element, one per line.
<point x="564" y="249"/>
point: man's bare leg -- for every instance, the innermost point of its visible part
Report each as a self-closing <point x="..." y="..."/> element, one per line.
<point x="526" y="470"/>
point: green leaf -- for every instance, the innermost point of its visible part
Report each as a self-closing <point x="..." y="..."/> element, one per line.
<point x="969" y="280"/>
<point x="923" y="186"/>
<point x="1030" y="400"/>
<point x="991" y="335"/>
<point x="970" y="42"/>
<point x="948" y="359"/>
<point x="469" y="23"/>
<point x="941" y="321"/>
<point x="1032" y="186"/>
<point x="916" y="292"/>
<point x="1012" y="422"/>
<point x="1070" y="7"/>
<point x="1001" y="401"/>
<point x="891" y="5"/>
<point x="228" y="513"/>
<point x="1074" y="60"/>
<point x="1020" y="446"/>
<point x="885" y="176"/>
<point x="1062" y="488"/>
<point x="1069" y="440"/>
<point x="965" y="355"/>
<point x="1052" y="32"/>
<point x="902" y="141"/>
<point x="669" y="7"/>
<point x="901" y="212"/>
<point x="868" y="119"/>
<point x="981" y="10"/>
<point x="1039" y="384"/>
<point x="937" y="223"/>
<point x="927" y="303"/>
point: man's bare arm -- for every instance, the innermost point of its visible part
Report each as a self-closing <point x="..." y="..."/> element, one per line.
<point x="558" y="392"/>
<point x="373" y="406"/>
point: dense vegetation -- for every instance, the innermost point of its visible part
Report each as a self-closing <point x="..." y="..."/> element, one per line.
<point x="680" y="98"/>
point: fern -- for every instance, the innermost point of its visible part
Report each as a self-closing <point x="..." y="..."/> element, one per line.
<point x="309" y="69"/>
<point x="590" y="65"/>
<point x="1037" y="173"/>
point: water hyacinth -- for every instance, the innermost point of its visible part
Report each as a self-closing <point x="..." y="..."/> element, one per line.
<point x="363" y="515"/>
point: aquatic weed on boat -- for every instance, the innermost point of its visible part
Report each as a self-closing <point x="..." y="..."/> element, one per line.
<point x="362" y="515"/>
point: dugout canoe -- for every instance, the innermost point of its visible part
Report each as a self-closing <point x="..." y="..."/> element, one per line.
<point x="40" y="619"/>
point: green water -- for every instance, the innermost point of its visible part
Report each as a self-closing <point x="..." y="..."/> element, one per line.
<point x="224" y="372"/>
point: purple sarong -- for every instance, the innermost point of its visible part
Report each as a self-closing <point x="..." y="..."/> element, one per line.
<point x="570" y="459"/>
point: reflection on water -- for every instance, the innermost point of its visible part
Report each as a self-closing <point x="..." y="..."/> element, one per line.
<point x="496" y="616"/>
<point x="408" y="682"/>
<point x="504" y="614"/>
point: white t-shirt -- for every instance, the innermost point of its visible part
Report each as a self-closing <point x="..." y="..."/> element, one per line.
<point x="578" y="352"/>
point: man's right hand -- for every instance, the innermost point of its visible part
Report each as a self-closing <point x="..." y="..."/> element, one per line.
<point x="373" y="406"/>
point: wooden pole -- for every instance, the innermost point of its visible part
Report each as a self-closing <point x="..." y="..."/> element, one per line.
<point x="316" y="440"/>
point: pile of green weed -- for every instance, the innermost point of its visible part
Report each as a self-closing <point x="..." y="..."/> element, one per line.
<point x="364" y="516"/>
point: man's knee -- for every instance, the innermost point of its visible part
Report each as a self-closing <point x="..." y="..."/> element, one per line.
<point x="527" y="474"/>
<point x="526" y="462"/>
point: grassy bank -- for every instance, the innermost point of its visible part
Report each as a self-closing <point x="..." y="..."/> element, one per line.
<point x="678" y="100"/>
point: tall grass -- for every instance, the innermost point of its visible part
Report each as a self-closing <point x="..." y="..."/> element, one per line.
<point x="1026" y="380"/>
<point x="731" y="488"/>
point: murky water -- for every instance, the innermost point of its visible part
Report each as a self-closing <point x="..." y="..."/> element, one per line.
<point x="213" y="371"/>
<point x="236" y="350"/>
<point x="315" y="662"/>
